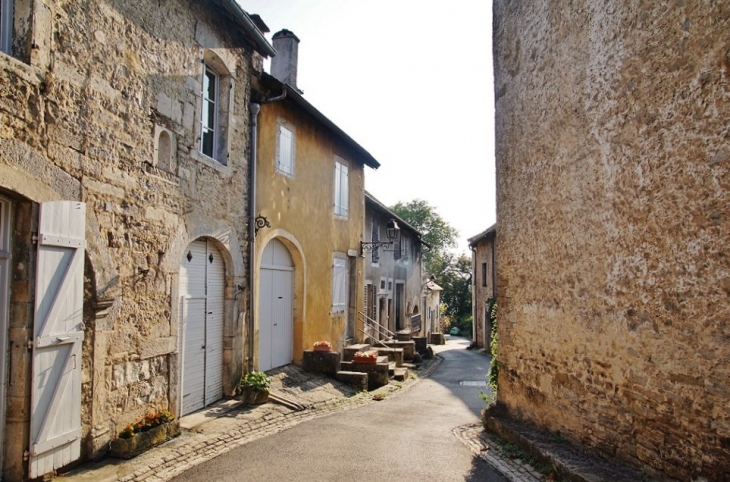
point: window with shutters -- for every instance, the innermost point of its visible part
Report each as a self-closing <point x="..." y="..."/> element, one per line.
<point x="375" y="237"/>
<point x="339" y="285"/>
<point x="6" y="26"/>
<point x="285" y="147"/>
<point x="398" y="247"/>
<point x="342" y="188"/>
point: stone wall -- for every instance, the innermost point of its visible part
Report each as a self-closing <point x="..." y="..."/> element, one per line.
<point x="613" y="169"/>
<point x="81" y="112"/>
<point x="483" y="288"/>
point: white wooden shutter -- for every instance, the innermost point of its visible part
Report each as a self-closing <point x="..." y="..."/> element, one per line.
<point x="339" y="288"/>
<point x="338" y="168"/>
<point x="58" y="334"/>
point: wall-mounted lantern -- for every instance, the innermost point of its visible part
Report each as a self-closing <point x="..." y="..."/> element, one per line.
<point x="391" y="230"/>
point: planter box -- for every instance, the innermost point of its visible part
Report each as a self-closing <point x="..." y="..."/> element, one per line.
<point x="253" y="397"/>
<point x="127" y="448"/>
<point x="322" y="348"/>
<point x="369" y="360"/>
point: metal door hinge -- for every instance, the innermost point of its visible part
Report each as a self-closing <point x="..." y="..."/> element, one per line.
<point x="34" y="238"/>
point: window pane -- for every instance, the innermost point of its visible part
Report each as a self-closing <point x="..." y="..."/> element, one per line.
<point x="209" y="111"/>
<point x="207" y="147"/>
<point x="209" y="85"/>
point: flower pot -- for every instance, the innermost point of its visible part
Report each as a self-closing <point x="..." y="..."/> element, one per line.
<point x="254" y="397"/>
<point x="127" y="448"/>
<point x="323" y="348"/>
<point x="369" y="360"/>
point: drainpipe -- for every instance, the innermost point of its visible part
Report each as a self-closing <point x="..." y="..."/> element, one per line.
<point x="255" y="109"/>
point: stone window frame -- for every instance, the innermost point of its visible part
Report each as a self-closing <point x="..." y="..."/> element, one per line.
<point x="210" y="61"/>
<point x="279" y="166"/>
<point x="171" y="164"/>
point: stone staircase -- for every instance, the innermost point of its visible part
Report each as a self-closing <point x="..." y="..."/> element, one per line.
<point x="393" y="360"/>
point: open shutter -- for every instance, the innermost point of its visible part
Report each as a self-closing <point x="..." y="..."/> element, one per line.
<point x="58" y="333"/>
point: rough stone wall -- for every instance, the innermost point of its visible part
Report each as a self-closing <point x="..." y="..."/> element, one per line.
<point x="83" y="126"/>
<point x="613" y="168"/>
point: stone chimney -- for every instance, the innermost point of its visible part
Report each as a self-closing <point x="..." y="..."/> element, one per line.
<point x="284" y="63"/>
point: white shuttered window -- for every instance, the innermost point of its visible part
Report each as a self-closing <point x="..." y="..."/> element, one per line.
<point x="339" y="285"/>
<point x="341" y="190"/>
<point x="285" y="149"/>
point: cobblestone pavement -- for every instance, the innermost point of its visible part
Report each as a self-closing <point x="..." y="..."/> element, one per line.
<point x="230" y="424"/>
<point x="485" y="446"/>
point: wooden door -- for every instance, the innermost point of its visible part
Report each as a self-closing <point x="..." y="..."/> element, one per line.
<point x="58" y="334"/>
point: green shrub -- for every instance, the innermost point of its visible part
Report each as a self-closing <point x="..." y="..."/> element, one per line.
<point x="256" y="381"/>
<point x="494" y="345"/>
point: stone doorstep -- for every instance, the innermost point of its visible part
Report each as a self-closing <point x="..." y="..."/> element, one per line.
<point x="359" y="380"/>
<point x="393" y="354"/>
<point x="349" y="352"/>
<point x="400" y="374"/>
<point x="568" y="460"/>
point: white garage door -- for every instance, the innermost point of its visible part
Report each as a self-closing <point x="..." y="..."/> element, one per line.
<point x="202" y="278"/>
<point x="276" y="295"/>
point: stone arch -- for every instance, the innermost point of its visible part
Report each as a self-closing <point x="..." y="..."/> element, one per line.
<point x="300" y="290"/>
<point x="225" y="238"/>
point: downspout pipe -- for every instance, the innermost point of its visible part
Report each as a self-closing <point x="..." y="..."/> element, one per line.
<point x="255" y="108"/>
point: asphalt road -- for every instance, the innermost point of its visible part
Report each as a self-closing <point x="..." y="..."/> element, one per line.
<point x="407" y="437"/>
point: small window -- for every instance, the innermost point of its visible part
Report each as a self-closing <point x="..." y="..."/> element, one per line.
<point x="484" y="274"/>
<point x="209" y="114"/>
<point x="339" y="285"/>
<point x="342" y="186"/>
<point x="285" y="149"/>
<point x="375" y="237"/>
<point x="398" y="247"/>
<point x="6" y="26"/>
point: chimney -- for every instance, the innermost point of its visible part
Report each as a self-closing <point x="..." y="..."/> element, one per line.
<point x="284" y="63"/>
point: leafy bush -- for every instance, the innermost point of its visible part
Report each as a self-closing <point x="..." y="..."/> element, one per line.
<point x="256" y="381"/>
<point x="494" y="345"/>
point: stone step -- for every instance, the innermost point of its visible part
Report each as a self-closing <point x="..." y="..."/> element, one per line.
<point x="401" y="374"/>
<point x="377" y="372"/>
<point x="408" y="347"/>
<point x="357" y="380"/>
<point x="393" y="354"/>
<point x="349" y="352"/>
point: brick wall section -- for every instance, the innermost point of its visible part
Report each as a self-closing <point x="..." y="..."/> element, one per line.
<point x="81" y="126"/>
<point x="613" y="168"/>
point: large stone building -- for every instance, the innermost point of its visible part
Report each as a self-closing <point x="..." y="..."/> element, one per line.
<point x="124" y="129"/>
<point x="613" y="174"/>
<point x="484" y="286"/>
<point x="394" y="291"/>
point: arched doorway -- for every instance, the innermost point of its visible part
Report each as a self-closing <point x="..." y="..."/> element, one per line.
<point x="202" y="282"/>
<point x="276" y="301"/>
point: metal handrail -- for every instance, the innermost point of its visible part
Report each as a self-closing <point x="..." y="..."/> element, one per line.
<point x="371" y="338"/>
<point x="367" y="321"/>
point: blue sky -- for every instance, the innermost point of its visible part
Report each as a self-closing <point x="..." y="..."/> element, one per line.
<point x="410" y="81"/>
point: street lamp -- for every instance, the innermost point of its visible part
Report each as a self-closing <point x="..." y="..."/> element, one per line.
<point x="391" y="230"/>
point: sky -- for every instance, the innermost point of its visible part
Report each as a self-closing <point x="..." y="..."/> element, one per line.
<point x="411" y="82"/>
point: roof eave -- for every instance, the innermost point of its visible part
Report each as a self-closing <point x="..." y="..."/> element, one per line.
<point x="241" y="17"/>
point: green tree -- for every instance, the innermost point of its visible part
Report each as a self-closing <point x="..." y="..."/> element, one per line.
<point x="434" y="231"/>
<point x="452" y="273"/>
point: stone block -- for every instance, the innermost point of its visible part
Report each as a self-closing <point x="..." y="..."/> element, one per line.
<point x="358" y="380"/>
<point x="327" y="363"/>
<point x="437" y="339"/>
<point x="349" y="351"/>
<point x="393" y="354"/>
<point x="377" y="373"/>
<point x="421" y="343"/>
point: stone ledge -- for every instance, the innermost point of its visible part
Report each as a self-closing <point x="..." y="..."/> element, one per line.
<point x="569" y="461"/>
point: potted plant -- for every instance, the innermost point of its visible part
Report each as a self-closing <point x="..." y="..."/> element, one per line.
<point x="322" y="345"/>
<point x="365" y="357"/>
<point x="254" y="387"/>
<point x="152" y="430"/>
